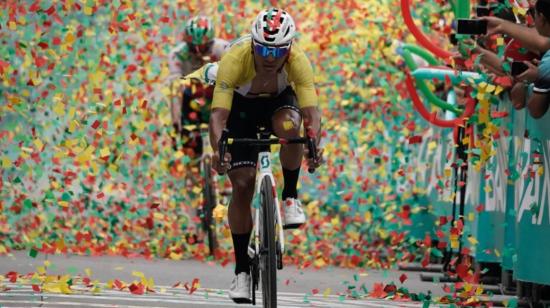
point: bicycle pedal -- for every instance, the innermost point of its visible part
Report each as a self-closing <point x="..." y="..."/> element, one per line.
<point x="242" y="300"/>
<point x="291" y="226"/>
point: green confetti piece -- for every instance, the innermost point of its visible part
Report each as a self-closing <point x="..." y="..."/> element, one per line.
<point x="33" y="253"/>
<point x="72" y="270"/>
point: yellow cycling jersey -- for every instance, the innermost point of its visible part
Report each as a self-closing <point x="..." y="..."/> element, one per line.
<point x="236" y="71"/>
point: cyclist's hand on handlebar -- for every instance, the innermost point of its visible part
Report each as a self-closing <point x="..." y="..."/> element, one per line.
<point x="221" y="168"/>
<point x="320" y="158"/>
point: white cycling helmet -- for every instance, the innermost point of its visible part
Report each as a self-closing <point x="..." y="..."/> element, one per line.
<point x="273" y="27"/>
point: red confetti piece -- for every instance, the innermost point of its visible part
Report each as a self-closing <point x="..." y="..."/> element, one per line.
<point x="137" y="289"/>
<point x="95" y="125"/>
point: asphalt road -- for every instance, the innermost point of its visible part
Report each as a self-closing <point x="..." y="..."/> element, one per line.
<point x="296" y="288"/>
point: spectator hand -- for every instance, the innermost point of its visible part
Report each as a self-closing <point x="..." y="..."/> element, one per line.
<point x="532" y="72"/>
<point x="517" y="95"/>
<point x="494" y="25"/>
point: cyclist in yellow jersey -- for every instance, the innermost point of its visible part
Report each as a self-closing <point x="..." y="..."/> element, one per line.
<point x="263" y="79"/>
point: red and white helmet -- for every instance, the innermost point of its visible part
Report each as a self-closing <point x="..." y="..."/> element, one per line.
<point x="273" y="26"/>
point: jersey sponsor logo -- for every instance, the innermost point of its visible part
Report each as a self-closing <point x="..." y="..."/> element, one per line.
<point x="223" y="85"/>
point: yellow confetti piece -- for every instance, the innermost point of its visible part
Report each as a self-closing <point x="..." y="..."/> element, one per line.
<point x="26" y="149"/>
<point x="179" y="154"/>
<point x="38" y="143"/>
<point x="288" y="125"/>
<point x="368" y="217"/>
<point x="473" y="241"/>
<point x="327" y="292"/>
<point x="6" y="162"/>
<point x="197" y="189"/>
<point x="454" y="244"/>
<point x="41" y="270"/>
<point x="105" y="152"/>
<point x="319" y="262"/>
<point x="85" y="155"/>
<point x="176" y="256"/>
<point x="88" y="272"/>
<point x="59" y="108"/>
<point x="88" y="10"/>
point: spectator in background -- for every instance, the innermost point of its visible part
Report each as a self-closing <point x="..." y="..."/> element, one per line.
<point x="538" y="72"/>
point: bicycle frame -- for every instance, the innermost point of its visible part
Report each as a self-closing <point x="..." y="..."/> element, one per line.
<point x="264" y="170"/>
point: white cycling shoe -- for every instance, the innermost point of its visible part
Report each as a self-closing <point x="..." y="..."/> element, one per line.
<point x="240" y="289"/>
<point x="294" y="214"/>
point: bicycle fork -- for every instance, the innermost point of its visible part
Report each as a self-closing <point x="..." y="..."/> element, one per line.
<point x="264" y="160"/>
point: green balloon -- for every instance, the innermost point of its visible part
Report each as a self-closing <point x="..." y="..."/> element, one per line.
<point x="422" y="86"/>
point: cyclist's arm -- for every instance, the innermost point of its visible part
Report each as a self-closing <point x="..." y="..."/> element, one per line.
<point x="226" y="80"/>
<point x="218" y="121"/>
<point x="302" y="77"/>
<point x="312" y="120"/>
<point x="538" y="102"/>
<point x="175" y="105"/>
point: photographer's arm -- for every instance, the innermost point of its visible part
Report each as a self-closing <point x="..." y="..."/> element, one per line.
<point x="528" y="37"/>
<point x="490" y="61"/>
<point x="537" y="105"/>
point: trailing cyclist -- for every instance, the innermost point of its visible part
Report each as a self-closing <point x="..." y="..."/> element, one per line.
<point x="253" y="88"/>
<point x="199" y="47"/>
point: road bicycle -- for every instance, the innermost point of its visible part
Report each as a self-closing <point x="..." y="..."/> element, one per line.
<point x="268" y="239"/>
<point x="210" y="191"/>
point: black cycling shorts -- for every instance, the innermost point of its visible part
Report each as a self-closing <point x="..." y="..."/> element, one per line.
<point x="247" y="114"/>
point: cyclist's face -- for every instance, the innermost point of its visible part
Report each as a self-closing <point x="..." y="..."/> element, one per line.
<point x="268" y="64"/>
<point x="200" y="49"/>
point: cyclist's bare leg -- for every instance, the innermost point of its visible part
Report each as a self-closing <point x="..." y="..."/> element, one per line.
<point x="239" y="214"/>
<point x="286" y="124"/>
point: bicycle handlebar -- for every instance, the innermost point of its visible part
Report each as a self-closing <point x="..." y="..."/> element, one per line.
<point x="309" y="141"/>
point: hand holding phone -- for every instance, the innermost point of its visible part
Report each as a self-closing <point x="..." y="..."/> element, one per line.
<point x="518" y="67"/>
<point x="471" y="26"/>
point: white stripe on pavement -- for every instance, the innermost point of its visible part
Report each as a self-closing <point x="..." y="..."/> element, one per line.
<point x="199" y="297"/>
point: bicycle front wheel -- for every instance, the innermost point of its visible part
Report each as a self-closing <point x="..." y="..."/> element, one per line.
<point x="267" y="244"/>
<point x="209" y="203"/>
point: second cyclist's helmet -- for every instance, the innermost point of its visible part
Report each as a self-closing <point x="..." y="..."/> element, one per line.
<point x="199" y="30"/>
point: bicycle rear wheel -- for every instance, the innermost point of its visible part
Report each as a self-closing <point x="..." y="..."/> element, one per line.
<point x="209" y="203"/>
<point x="267" y="244"/>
